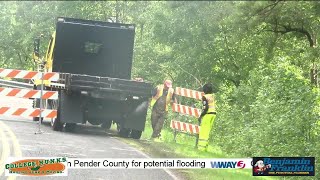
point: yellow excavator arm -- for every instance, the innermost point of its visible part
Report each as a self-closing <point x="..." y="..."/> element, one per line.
<point x="47" y="62"/>
<point x="49" y="53"/>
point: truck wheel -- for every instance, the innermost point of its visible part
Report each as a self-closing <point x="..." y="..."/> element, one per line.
<point x="135" y="134"/>
<point x="106" y="125"/>
<point x="56" y="124"/>
<point x="70" y="127"/>
<point x="94" y="121"/>
<point x="124" y="132"/>
<point x="118" y="127"/>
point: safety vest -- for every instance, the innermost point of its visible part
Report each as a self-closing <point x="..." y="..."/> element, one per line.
<point x="159" y="93"/>
<point x="211" y="103"/>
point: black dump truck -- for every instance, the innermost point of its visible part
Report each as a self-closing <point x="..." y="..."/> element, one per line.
<point x="94" y="60"/>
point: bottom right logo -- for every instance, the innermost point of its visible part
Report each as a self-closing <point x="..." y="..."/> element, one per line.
<point x="283" y="166"/>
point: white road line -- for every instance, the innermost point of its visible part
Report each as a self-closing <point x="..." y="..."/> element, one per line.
<point x="145" y="155"/>
<point x="121" y="149"/>
<point x="5" y="150"/>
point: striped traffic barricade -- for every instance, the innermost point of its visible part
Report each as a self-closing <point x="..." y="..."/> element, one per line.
<point x="183" y="127"/>
<point x="23" y="74"/>
<point x="186" y="110"/>
<point x="28" y="112"/>
<point x="29" y="94"/>
<point x="188" y="93"/>
<point x="186" y="128"/>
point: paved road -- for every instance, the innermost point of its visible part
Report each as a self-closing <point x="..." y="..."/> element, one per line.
<point x="18" y="138"/>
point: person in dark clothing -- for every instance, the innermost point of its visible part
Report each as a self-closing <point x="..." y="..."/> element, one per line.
<point x="162" y="97"/>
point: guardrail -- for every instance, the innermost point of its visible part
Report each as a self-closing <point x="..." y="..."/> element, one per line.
<point x="15" y="84"/>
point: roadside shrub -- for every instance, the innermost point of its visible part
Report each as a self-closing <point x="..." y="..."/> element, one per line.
<point x="274" y="113"/>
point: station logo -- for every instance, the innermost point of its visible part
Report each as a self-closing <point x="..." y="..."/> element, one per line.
<point x="228" y="164"/>
<point x="283" y="166"/>
<point x="36" y="167"/>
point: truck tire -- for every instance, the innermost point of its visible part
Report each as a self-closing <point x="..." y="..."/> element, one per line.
<point x="124" y="132"/>
<point x="106" y="125"/>
<point x="135" y="134"/>
<point x="69" y="127"/>
<point x="94" y="121"/>
<point x="56" y="124"/>
<point x="118" y="127"/>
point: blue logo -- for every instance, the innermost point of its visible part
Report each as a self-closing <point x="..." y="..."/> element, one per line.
<point x="283" y="166"/>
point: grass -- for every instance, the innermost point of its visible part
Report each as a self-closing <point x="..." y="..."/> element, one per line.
<point x="184" y="148"/>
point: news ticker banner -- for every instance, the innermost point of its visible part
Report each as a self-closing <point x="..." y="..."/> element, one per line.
<point x="260" y="166"/>
<point x="59" y="166"/>
<point x="159" y="163"/>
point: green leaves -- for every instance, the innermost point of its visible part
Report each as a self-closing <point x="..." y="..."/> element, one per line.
<point x="276" y="109"/>
<point x="257" y="53"/>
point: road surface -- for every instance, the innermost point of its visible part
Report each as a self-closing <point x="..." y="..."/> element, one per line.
<point x="18" y="138"/>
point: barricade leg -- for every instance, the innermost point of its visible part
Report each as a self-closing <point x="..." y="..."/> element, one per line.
<point x="197" y="140"/>
<point x="175" y="135"/>
<point x="41" y="106"/>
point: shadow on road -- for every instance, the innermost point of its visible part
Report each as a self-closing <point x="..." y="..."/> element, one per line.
<point x="89" y="130"/>
<point x="93" y="130"/>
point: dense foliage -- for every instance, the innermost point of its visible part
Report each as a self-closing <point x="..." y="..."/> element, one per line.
<point x="263" y="57"/>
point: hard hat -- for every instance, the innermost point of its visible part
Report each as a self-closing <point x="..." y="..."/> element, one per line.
<point x="167" y="83"/>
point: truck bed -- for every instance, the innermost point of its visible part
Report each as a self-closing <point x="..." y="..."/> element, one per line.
<point x="106" y="87"/>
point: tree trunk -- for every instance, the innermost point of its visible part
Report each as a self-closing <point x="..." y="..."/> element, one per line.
<point x="314" y="75"/>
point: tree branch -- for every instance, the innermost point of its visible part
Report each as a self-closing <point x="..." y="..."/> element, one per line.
<point x="264" y="10"/>
<point x="197" y="80"/>
<point x="236" y="83"/>
<point x="303" y="31"/>
<point x="288" y="28"/>
<point x="166" y="71"/>
<point x="20" y="58"/>
<point x="229" y="51"/>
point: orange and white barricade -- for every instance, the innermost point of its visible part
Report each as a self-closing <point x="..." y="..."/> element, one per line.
<point x="183" y="127"/>
<point x="28" y="93"/>
<point x="22" y="74"/>
<point x="28" y="112"/>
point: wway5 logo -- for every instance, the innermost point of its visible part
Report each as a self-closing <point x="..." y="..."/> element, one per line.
<point x="228" y="164"/>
